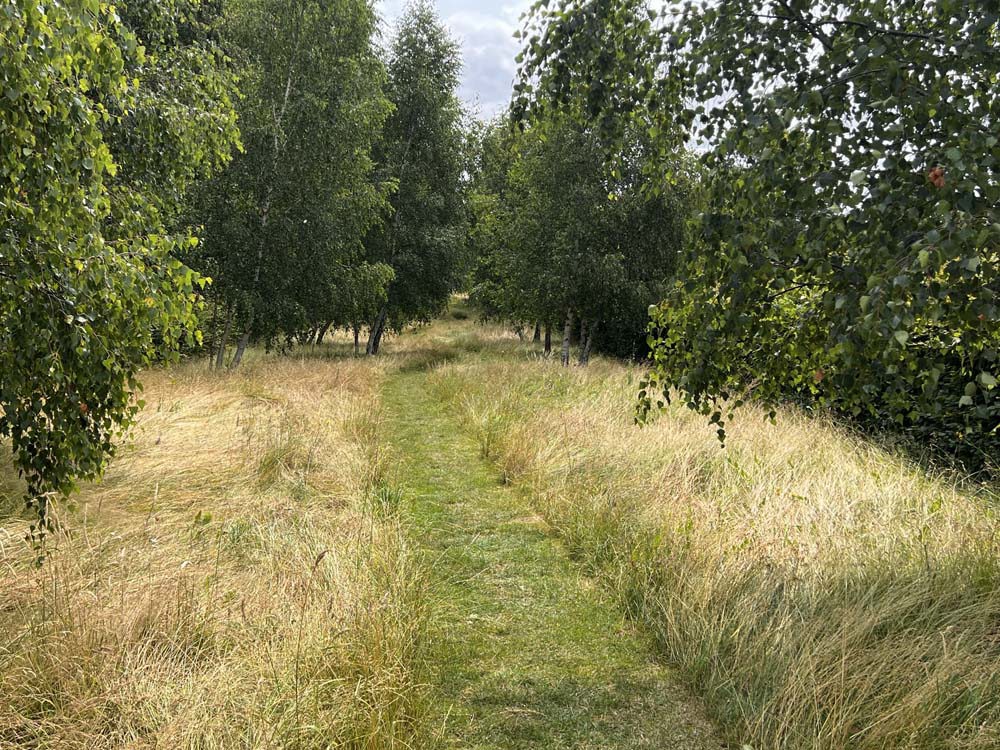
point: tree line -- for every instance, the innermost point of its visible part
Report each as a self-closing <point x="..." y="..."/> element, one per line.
<point x="344" y="208"/>
<point x="259" y="171"/>
<point x="776" y="200"/>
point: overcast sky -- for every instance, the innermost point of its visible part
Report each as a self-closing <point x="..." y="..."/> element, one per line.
<point x="485" y="29"/>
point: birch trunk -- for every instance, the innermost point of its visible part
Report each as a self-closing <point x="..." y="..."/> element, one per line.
<point x="220" y="357"/>
<point x="587" y="346"/>
<point x="242" y="346"/>
<point x="567" y="335"/>
<point x="375" y="337"/>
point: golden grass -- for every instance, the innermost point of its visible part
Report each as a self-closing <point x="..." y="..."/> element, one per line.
<point x="227" y="585"/>
<point x="240" y="578"/>
<point x="820" y="591"/>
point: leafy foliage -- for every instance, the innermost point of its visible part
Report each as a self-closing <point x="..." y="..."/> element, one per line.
<point x="849" y="250"/>
<point x="106" y="122"/>
<point x="287" y="218"/>
<point x="362" y="292"/>
<point x="561" y="234"/>
<point x="421" y="154"/>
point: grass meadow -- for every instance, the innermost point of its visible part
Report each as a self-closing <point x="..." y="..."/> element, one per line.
<point x="236" y="580"/>
<point x="818" y="590"/>
<point x="250" y="573"/>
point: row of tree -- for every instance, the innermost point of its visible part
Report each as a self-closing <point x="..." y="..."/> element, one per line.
<point x="255" y="168"/>
<point x="565" y="239"/>
<point x="846" y="251"/>
<point x="345" y="207"/>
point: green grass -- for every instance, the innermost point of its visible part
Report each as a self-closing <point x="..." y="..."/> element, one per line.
<point x="527" y="652"/>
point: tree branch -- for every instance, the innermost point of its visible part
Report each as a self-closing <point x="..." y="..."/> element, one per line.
<point x="814" y="27"/>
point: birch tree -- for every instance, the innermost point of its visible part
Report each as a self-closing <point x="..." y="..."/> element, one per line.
<point x="421" y="153"/>
<point x="107" y="119"/>
<point x="289" y="215"/>
<point x="849" y="253"/>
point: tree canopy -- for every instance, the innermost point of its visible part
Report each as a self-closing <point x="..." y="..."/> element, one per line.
<point x="848" y="251"/>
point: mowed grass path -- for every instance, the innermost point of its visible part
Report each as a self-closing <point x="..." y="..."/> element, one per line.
<point x="526" y="652"/>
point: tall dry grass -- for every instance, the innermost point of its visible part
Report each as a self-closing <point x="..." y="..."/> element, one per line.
<point x="229" y="585"/>
<point x="818" y="590"/>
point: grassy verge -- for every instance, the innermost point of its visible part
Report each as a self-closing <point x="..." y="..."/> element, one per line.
<point x="818" y="591"/>
<point x="235" y="581"/>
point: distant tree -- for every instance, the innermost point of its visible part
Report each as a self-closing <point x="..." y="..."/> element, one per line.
<point x="108" y="118"/>
<point x="365" y="292"/>
<point x="286" y="220"/>
<point x="422" y="155"/>
<point x="494" y="150"/>
<point x="569" y="238"/>
<point x="850" y="250"/>
<point x="558" y="251"/>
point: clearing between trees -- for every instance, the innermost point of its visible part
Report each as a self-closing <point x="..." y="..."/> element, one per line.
<point x="455" y="542"/>
<point x="526" y="651"/>
<point x="462" y="544"/>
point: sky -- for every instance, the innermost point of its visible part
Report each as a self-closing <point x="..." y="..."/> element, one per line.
<point x="485" y="29"/>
